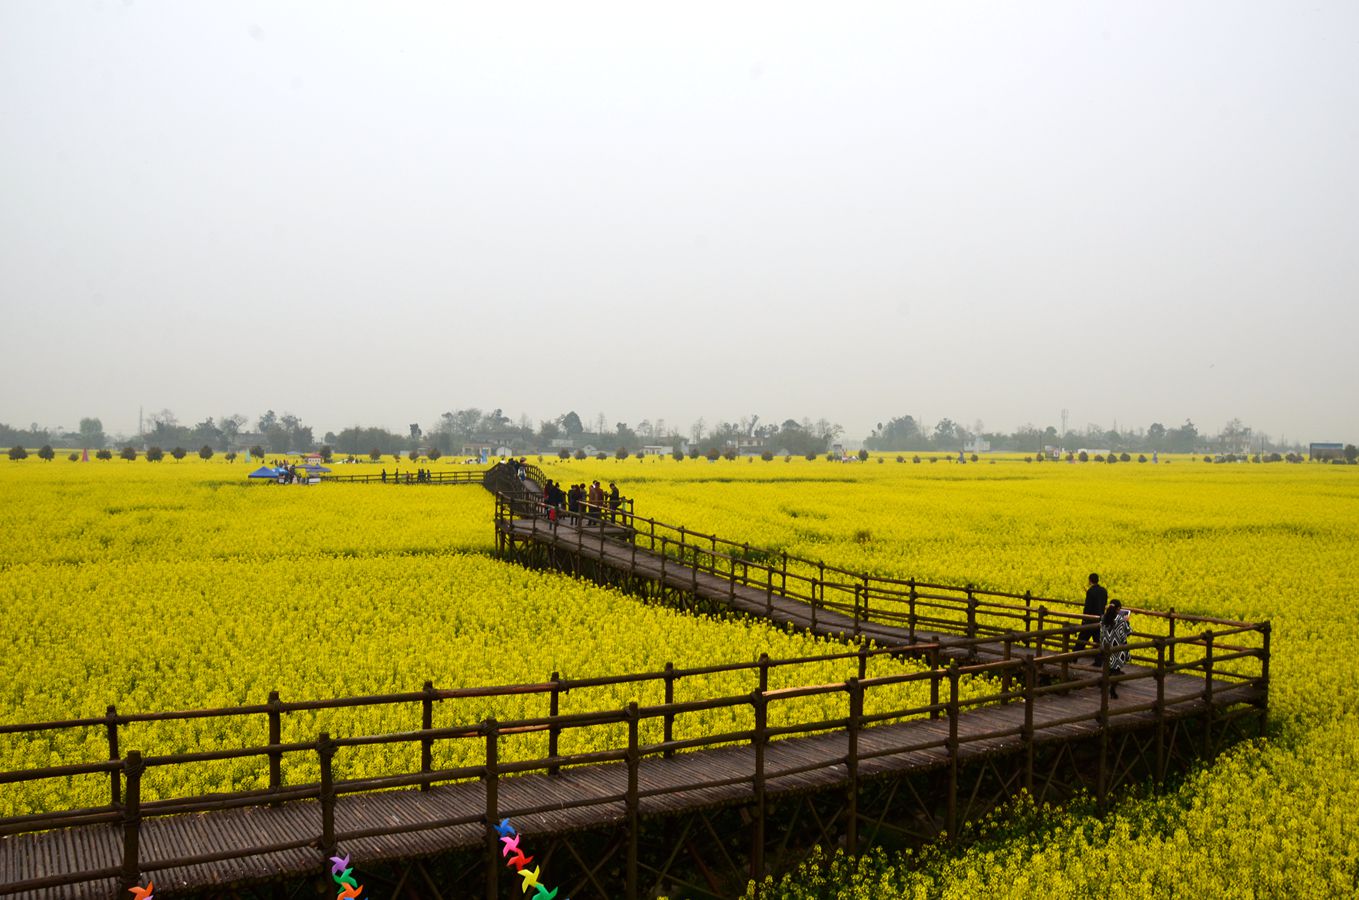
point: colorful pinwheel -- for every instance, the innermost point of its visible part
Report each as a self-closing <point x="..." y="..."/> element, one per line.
<point x="510" y="838"/>
<point x="343" y="874"/>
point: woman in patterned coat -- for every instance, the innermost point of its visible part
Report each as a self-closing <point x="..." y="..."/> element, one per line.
<point x="1114" y="631"/>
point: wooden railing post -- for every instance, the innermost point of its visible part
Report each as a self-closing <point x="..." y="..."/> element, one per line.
<point x="1028" y="609"/>
<point x="427" y="724"/>
<point x="132" y="820"/>
<point x="1042" y="626"/>
<point x="857" y="600"/>
<point x="769" y="591"/>
<point x="325" y="749"/>
<point x="1160" y="710"/>
<point x="1030" y="684"/>
<point x="856" y="712"/>
<point x="694" y="572"/>
<point x="1265" y="629"/>
<point x="935" y="674"/>
<point x="492" y="779"/>
<point x="115" y="777"/>
<point x="758" y="739"/>
<point x="634" y="760"/>
<point x="275" y="738"/>
<point x="952" y="821"/>
<point x="971" y="613"/>
<point x="553" y="729"/>
<point x="863" y="660"/>
<point x="865" y="598"/>
<point x="1005" y="679"/>
<point x="731" y="583"/>
<point x="818" y="589"/>
<point x="1170" y="614"/>
<point x="1208" y="695"/>
<point x="1066" y="648"/>
<point x="669" y="721"/>
<point x="1102" y="721"/>
<point x="910" y="620"/>
<point x="783" y="583"/>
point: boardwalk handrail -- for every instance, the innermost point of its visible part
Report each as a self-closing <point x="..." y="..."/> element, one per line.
<point x="910" y="604"/>
<point x="1016" y="680"/>
<point x="460" y="476"/>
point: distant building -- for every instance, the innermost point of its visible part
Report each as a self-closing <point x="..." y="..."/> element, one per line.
<point x="657" y="450"/>
<point x="977" y="445"/>
<point x="479" y="449"/>
<point x="746" y="445"/>
<point x="1325" y="451"/>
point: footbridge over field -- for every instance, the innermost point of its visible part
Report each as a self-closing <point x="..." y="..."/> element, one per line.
<point x="949" y="701"/>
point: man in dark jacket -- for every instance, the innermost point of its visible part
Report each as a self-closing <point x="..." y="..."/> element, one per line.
<point x="1096" y="599"/>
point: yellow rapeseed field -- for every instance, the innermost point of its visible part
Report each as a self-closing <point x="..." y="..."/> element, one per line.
<point x="167" y="585"/>
<point x="1278" y="542"/>
<point x="174" y="586"/>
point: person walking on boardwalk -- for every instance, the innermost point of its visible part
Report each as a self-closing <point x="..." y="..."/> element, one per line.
<point x="573" y="503"/>
<point x="1096" y="598"/>
<point x="596" y="496"/>
<point x="1114" y="630"/>
<point x="614" y="500"/>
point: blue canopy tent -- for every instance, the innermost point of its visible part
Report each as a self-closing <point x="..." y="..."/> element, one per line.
<point x="264" y="472"/>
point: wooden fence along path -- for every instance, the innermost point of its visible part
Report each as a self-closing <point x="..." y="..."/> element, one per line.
<point x="1045" y="714"/>
<point x="410" y="476"/>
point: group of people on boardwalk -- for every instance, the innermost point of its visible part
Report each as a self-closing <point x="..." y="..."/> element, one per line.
<point x="582" y="503"/>
<point x="1109" y="624"/>
<point x="419" y="476"/>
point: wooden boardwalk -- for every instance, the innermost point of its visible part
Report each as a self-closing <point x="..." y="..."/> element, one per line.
<point x="604" y="545"/>
<point x="587" y="797"/>
<point x="1044" y="716"/>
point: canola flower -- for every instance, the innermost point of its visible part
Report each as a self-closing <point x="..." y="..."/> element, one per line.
<point x="1276" y="818"/>
<point x="201" y="613"/>
<point x="181" y="558"/>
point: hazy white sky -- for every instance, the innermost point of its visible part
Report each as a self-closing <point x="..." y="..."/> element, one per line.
<point x="377" y="212"/>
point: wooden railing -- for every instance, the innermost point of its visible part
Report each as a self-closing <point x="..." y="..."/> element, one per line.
<point x="475" y="476"/>
<point x="907" y="604"/>
<point x="1013" y="680"/>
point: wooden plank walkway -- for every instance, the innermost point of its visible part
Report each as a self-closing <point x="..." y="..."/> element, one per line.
<point x="667" y="786"/>
<point x="624" y="556"/>
<point x="403" y="824"/>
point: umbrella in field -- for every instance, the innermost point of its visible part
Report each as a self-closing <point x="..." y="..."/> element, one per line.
<point x="264" y="472"/>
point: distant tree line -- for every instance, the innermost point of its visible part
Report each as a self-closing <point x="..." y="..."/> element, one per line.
<point x="905" y="433"/>
<point x="470" y="429"/>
